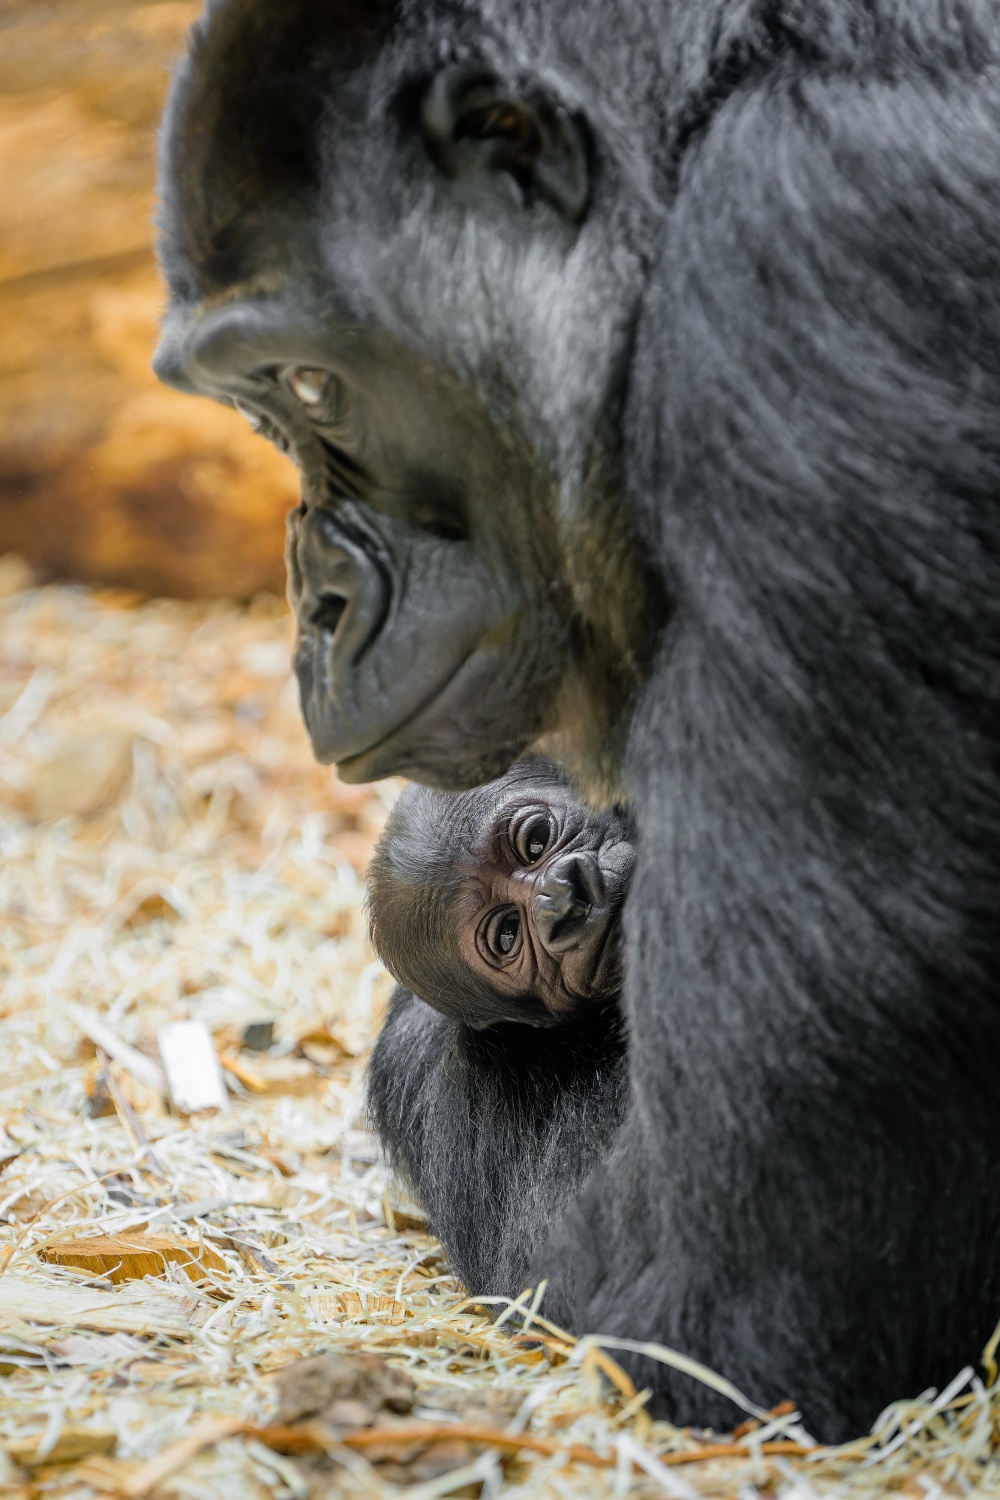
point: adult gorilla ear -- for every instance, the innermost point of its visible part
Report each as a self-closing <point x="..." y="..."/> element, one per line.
<point x="476" y="128"/>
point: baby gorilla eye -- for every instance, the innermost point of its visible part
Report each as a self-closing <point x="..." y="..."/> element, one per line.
<point x="503" y="932"/>
<point x="532" y="838"/>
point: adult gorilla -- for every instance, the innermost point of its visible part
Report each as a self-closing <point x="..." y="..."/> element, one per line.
<point x="583" y="318"/>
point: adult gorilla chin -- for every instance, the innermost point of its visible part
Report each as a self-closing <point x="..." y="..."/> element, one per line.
<point x="642" y="364"/>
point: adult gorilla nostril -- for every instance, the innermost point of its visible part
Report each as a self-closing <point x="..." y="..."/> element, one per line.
<point x="328" y="612"/>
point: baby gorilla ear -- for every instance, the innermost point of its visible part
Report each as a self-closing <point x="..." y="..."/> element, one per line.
<point x="475" y="128"/>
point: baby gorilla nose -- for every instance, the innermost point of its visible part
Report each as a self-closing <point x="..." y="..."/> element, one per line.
<point x="565" y="896"/>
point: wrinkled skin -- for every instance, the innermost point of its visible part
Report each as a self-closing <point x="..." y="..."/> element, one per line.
<point x="416" y="622"/>
<point x="642" y="363"/>
<point x="546" y="922"/>
<point x="531" y="883"/>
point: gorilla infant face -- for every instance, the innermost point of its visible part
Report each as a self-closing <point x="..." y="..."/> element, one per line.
<point x="541" y="897"/>
<point x="504" y="903"/>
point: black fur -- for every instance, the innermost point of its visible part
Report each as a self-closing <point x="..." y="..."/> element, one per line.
<point x="772" y="349"/>
<point x="500" y="1126"/>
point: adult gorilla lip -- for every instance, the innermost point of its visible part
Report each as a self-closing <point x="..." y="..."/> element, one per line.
<point x="352" y="762"/>
<point x="442" y="766"/>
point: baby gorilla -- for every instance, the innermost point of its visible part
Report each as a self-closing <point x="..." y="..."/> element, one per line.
<point x="503" y="903"/>
<point x="497" y="906"/>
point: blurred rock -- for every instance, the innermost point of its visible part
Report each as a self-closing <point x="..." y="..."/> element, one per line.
<point x="312" y="1386"/>
<point x="104" y="475"/>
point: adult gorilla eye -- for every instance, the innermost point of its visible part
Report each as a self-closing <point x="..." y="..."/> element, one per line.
<point x="502" y="121"/>
<point x="441" y="521"/>
<point x="503" y="933"/>
<point x="320" y="393"/>
<point x="476" y="129"/>
<point x="533" y="838"/>
<point x="310" y="386"/>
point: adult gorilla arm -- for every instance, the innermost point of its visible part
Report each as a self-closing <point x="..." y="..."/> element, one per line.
<point x="495" y="1130"/>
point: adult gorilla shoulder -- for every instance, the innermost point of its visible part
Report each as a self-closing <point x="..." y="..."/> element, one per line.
<point x="567" y="312"/>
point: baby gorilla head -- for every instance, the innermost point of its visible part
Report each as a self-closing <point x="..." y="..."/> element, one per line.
<point x="503" y="903"/>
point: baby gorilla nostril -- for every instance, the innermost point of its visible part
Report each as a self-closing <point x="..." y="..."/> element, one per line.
<point x="328" y="612"/>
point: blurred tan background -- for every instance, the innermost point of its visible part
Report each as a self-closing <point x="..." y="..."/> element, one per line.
<point x="105" y="476"/>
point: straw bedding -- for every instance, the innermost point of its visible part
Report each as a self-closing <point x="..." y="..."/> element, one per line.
<point x="169" y="851"/>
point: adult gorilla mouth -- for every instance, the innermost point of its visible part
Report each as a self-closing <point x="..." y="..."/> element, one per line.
<point x="405" y="652"/>
<point x="362" y="765"/>
<point x="429" y="744"/>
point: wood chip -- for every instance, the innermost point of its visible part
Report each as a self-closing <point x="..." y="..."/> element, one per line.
<point x="273" y="1075"/>
<point x="143" y="1068"/>
<point x="130" y="1257"/>
<point x="191" y="1065"/>
<point x="308" y="1387"/>
<point x="83" y="775"/>
<point x="72" y="1444"/>
<point x="96" y="1348"/>
<point x="138" y="1309"/>
<point x="373" y="1308"/>
<point x="149" y="1476"/>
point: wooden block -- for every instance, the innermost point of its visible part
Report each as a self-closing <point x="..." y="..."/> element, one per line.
<point x="102" y="475"/>
<point x="129" y="1257"/>
<point x="375" y="1308"/>
<point x="191" y="1064"/>
<point x="383" y="1309"/>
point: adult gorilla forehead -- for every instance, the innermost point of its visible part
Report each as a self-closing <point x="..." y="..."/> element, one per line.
<point x="245" y="111"/>
<point x="273" y="98"/>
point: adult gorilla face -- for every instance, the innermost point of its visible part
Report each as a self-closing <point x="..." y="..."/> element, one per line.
<point x="333" y="287"/>
<point x="426" y="638"/>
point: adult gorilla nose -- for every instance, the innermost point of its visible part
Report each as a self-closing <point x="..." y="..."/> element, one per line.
<point x="337" y="588"/>
<point x="565" y="897"/>
<point x="170" y="361"/>
<point x="222" y="351"/>
<point x="200" y="352"/>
